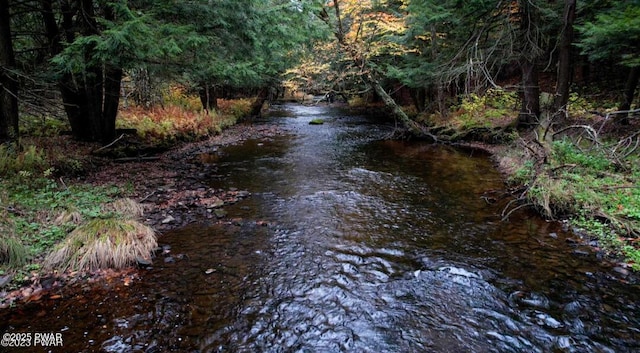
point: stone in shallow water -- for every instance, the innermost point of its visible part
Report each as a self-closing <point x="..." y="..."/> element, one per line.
<point x="143" y="262"/>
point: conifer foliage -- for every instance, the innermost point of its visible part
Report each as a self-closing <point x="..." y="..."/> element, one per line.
<point x="86" y="47"/>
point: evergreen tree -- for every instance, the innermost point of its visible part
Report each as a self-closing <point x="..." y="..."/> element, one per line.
<point x="614" y="35"/>
<point x="8" y="82"/>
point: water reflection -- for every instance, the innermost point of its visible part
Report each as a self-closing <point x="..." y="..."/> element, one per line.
<point x="354" y="244"/>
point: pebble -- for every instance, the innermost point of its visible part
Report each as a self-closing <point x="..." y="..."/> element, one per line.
<point x="4" y="280"/>
<point x="168" y="220"/>
<point x="622" y="271"/>
<point x="142" y="262"/>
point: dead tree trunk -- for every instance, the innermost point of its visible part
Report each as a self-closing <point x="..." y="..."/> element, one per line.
<point x="395" y="109"/>
<point x="564" y="60"/>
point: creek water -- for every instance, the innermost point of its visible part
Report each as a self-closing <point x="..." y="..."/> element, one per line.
<point x="353" y="243"/>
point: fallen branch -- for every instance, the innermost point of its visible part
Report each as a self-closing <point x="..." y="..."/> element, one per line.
<point x="571" y="166"/>
<point x="109" y="145"/>
<point x="136" y="159"/>
<point x="606" y="117"/>
<point x="505" y="217"/>
<point x="146" y="197"/>
<point x="593" y="134"/>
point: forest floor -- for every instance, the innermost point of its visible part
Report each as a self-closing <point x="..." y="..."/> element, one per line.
<point x="172" y="187"/>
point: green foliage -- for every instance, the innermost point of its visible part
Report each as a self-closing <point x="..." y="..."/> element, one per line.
<point x="41" y="126"/>
<point x="579" y="105"/>
<point x="13" y="253"/>
<point x="30" y="161"/>
<point x="604" y="201"/>
<point x="132" y="39"/>
<point x="46" y="211"/>
<point x="633" y="255"/>
<point x="566" y="152"/>
<point x="487" y="110"/>
<point x="613" y="34"/>
<point x="523" y="174"/>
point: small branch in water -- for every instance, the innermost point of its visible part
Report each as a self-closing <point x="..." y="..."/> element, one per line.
<point x="506" y="216"/>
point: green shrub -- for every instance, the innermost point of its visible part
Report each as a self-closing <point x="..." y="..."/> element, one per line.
<point x="566" y="152"/>
<point x="41" y="126"/>
<point x="633" y="255"/>
<point x="31" y="161"/>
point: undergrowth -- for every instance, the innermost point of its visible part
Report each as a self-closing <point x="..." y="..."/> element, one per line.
<point x="170" y="124"/>
<point x="77" y="226"/>
<point x="595" y="190"/>
<point x="38" y="212"/>
<point x="495" y="108"/>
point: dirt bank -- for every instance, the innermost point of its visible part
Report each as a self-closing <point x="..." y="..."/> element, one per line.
<point x="172" y="186"/>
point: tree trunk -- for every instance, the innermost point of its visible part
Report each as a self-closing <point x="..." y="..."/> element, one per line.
<point x="419" y="97"/>
<point x="92" y="103"/>
<point x="8" y="85"/>
<point x="629" y="93"/>
<point x="395" y="109"/>
<point x="530" y="111"/>
<point x="90" y="99"/>
<point x="564" y="61"/>
<point x="208" y="97"/>
<point x="256" y="107"/>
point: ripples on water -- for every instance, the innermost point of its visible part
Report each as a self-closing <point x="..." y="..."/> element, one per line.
<point x="373" y="246"/>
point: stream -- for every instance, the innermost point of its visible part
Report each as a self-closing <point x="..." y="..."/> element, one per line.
<point x="352" y="243"/>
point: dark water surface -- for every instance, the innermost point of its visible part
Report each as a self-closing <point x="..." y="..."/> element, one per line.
<point x="353" y="244"/>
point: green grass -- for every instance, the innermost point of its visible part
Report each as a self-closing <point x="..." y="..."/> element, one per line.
<point x="598" y="195"/>
<point x="37" y="214"/>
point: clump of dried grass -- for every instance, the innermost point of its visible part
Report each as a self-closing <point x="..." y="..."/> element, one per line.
<point x="12" y="251"/>
<point x="112" y="242"/>
<point x="126" y="207"/>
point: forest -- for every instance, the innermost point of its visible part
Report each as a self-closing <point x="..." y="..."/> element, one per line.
<point x="550" y="87"/>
